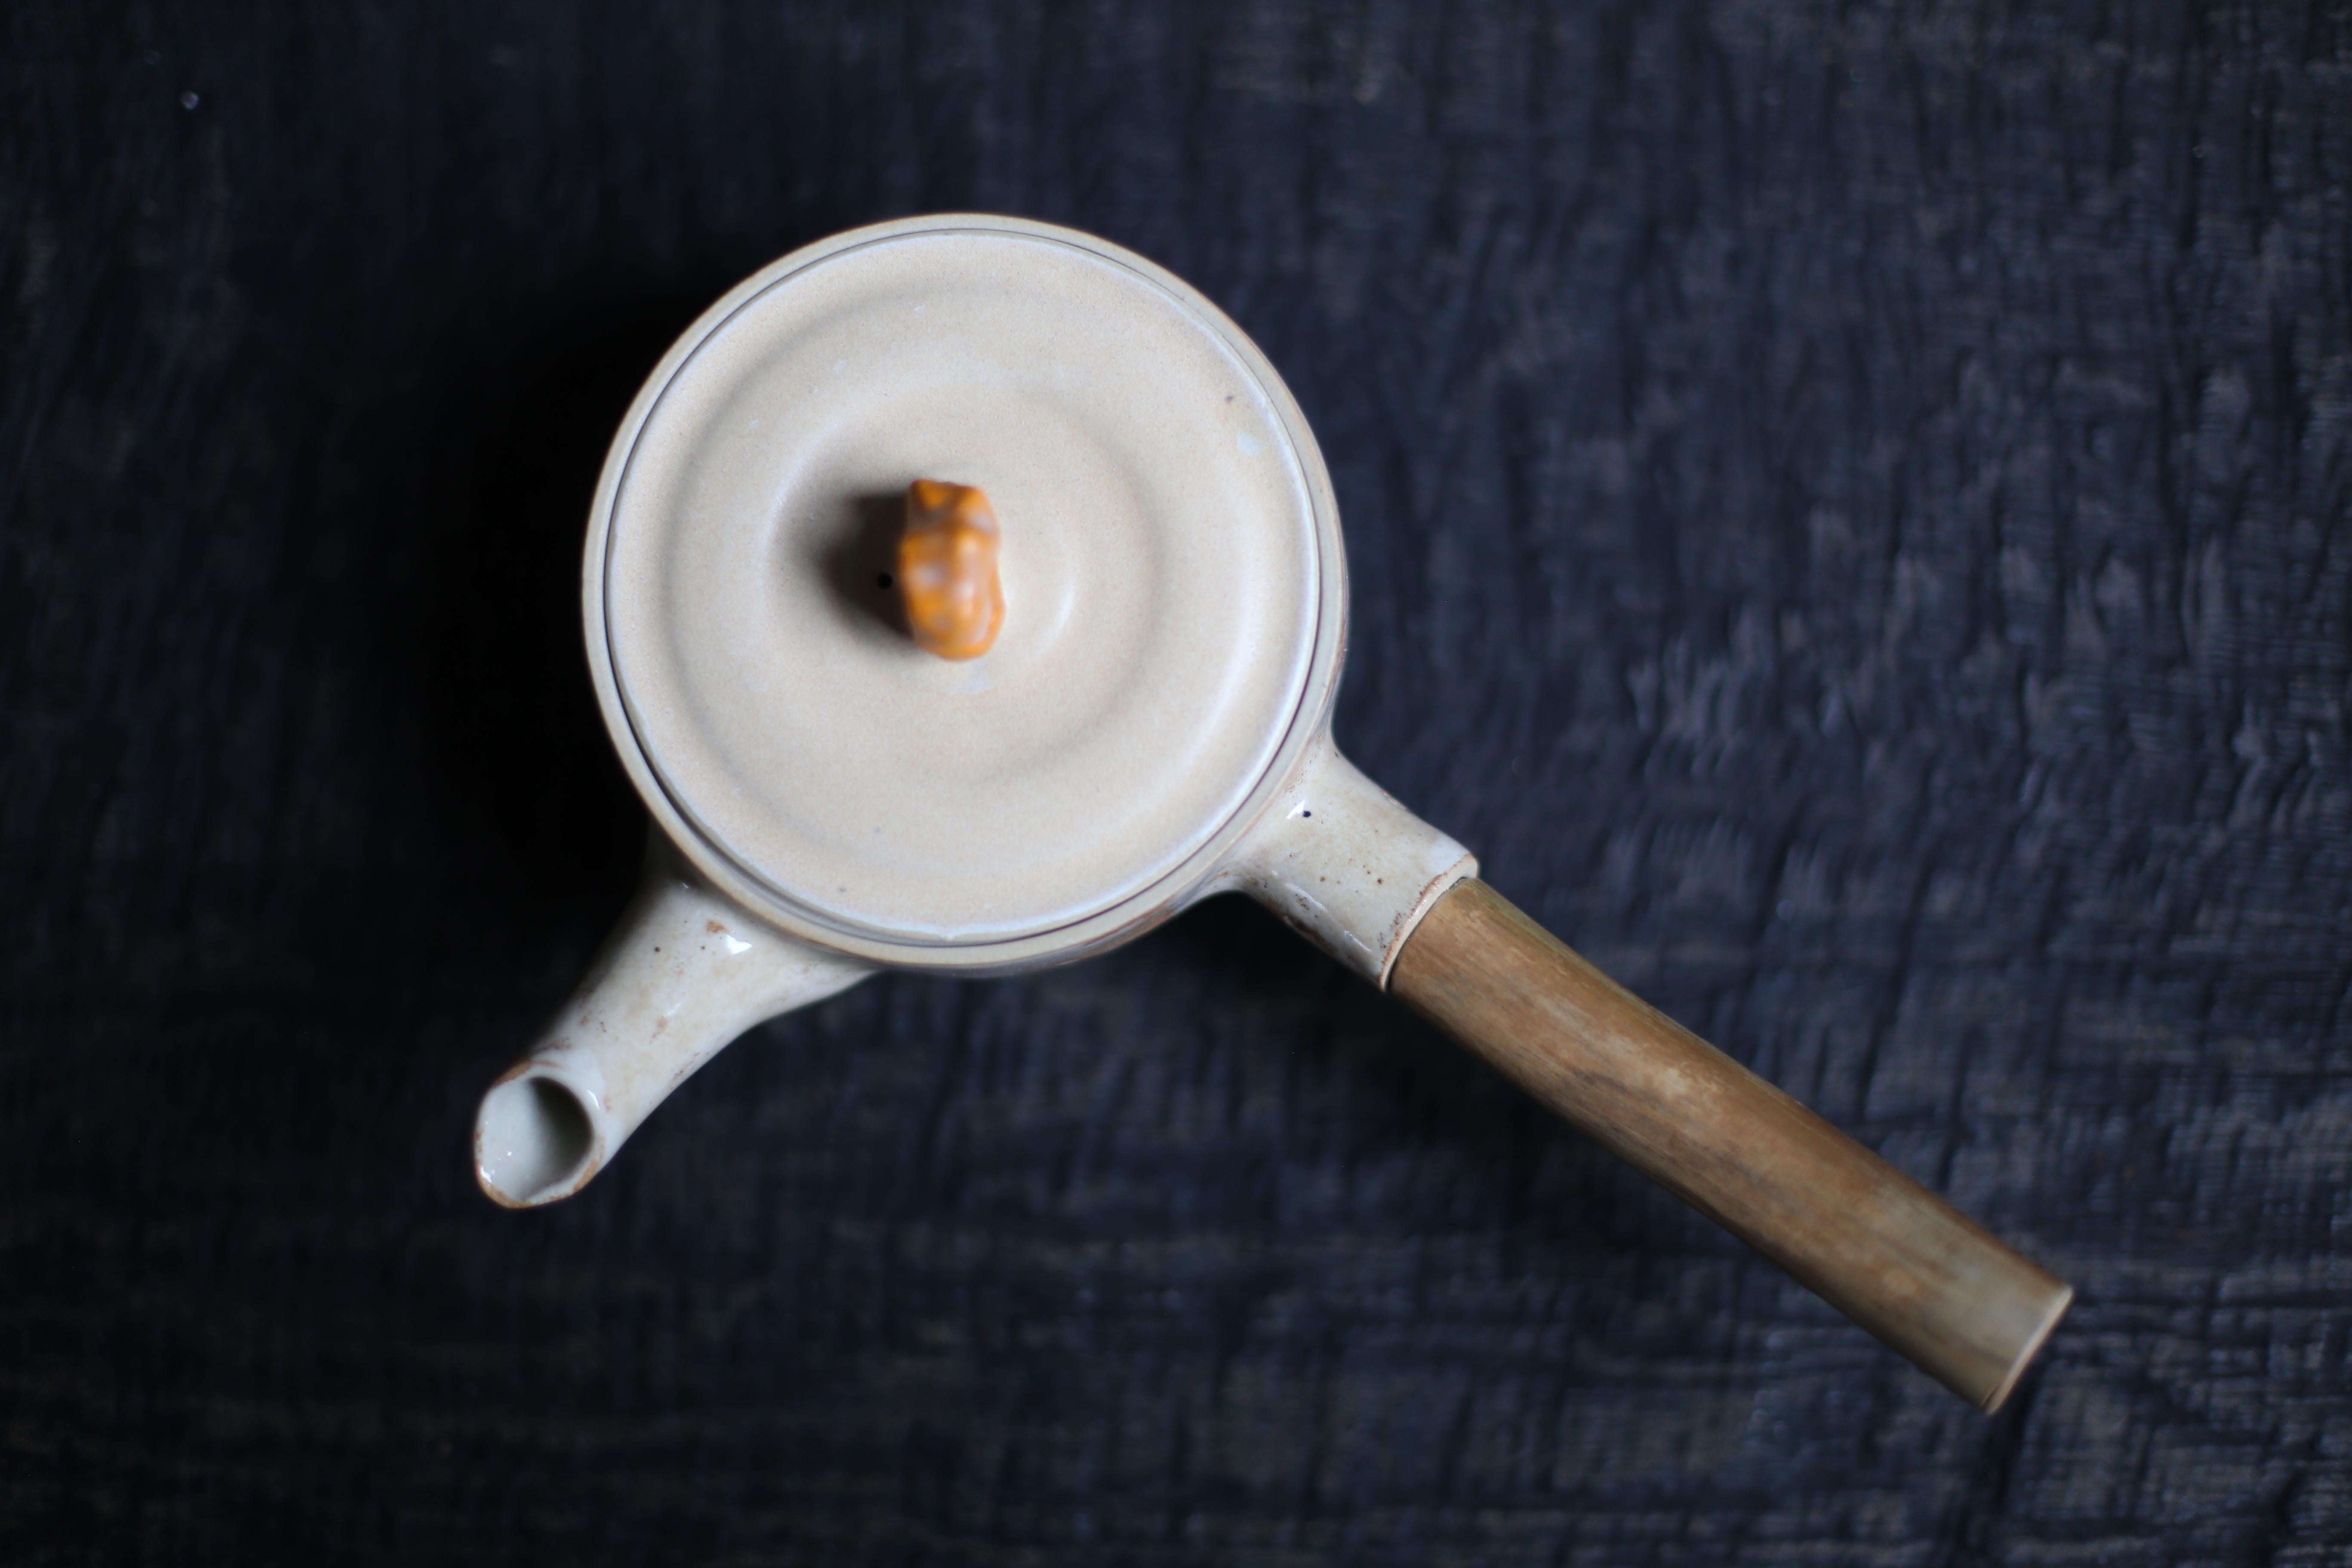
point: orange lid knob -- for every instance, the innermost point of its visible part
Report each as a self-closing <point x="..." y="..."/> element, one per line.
<point x="947" y="569"/>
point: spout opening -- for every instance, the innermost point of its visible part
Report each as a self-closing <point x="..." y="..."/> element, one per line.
<point x="533" y="1143"/>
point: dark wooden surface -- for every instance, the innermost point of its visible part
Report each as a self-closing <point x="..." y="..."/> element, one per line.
<point x="1848" y="517"/>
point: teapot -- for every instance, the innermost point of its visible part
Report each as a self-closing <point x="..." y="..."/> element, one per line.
<point x="1150" y="725"/>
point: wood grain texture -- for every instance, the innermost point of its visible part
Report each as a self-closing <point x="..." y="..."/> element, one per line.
<point x="1847" y="508"/>
<point x="1848" y="1226"/>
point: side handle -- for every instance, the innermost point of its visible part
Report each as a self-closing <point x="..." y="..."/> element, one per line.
<point x="685" y="971"/>
<point x="1400" y="903"/>
<point x="1872" y="1243"/>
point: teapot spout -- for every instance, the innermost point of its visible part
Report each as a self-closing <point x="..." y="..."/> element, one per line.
<point x="685" y="971"/>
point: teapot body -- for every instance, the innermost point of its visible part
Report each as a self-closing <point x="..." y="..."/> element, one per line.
<point x="825" y="798"/>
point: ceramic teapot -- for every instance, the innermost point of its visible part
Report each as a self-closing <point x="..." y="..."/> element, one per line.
<point x="1151" y="725"/>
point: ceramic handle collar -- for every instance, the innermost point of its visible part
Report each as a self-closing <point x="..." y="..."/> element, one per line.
<point x="684" y="972"/>
<point x="1346" y="864"/>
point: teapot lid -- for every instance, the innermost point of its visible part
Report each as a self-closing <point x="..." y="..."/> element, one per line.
<point x="1169" y="562"/>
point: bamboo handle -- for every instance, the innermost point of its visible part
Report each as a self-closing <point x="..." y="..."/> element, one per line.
<point x="1872" y="1242"/>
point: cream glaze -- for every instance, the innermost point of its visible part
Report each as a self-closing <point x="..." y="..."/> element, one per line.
<point x="1151" y="728"/>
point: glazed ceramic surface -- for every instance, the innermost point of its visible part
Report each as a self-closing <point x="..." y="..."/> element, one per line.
<point x="1150" y="726"/>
